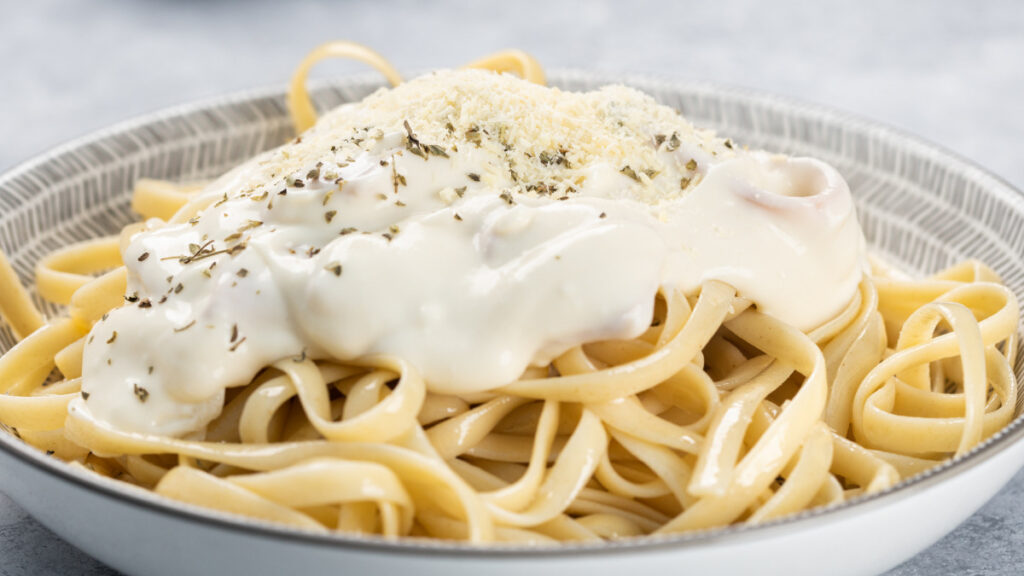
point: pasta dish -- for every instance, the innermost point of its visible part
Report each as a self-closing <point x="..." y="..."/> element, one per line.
<point x="473" y="307"/>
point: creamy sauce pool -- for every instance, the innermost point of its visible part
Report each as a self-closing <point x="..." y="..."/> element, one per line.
<point x="444" y="257"/>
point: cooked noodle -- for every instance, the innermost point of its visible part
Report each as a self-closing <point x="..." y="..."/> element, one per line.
<point x="717" y="414"/>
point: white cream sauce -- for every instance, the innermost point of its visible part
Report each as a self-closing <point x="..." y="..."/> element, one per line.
<point x="469" y="285"/>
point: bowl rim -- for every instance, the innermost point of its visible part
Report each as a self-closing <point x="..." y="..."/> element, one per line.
<point x="731" y="534"/>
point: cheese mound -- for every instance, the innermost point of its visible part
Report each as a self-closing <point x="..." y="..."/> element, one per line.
<point x="547" y="139"/>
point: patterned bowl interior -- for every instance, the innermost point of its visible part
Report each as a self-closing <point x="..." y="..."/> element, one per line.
<point x="920" y="207"/>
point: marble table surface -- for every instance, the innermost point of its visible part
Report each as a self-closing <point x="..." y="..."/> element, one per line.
<point x="952" y="72"/>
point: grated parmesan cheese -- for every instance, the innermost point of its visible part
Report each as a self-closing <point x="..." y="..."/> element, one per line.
<point x="547" y="141"/>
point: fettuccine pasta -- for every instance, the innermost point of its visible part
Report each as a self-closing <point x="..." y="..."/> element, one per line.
<point x="706" y="404"/>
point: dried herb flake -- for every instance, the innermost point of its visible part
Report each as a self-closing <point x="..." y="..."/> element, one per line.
<point x="140" y="392"/>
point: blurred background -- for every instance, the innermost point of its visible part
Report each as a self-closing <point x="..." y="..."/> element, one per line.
<point x="951" y="72"/>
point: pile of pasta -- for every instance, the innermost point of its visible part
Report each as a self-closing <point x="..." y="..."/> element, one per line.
<point x="717" y="414"/>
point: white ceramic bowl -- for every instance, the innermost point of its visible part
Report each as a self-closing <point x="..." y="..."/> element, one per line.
<point x="920" y="206"/>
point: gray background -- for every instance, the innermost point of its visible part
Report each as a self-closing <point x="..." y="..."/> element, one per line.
<point x="952" y="72"/>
